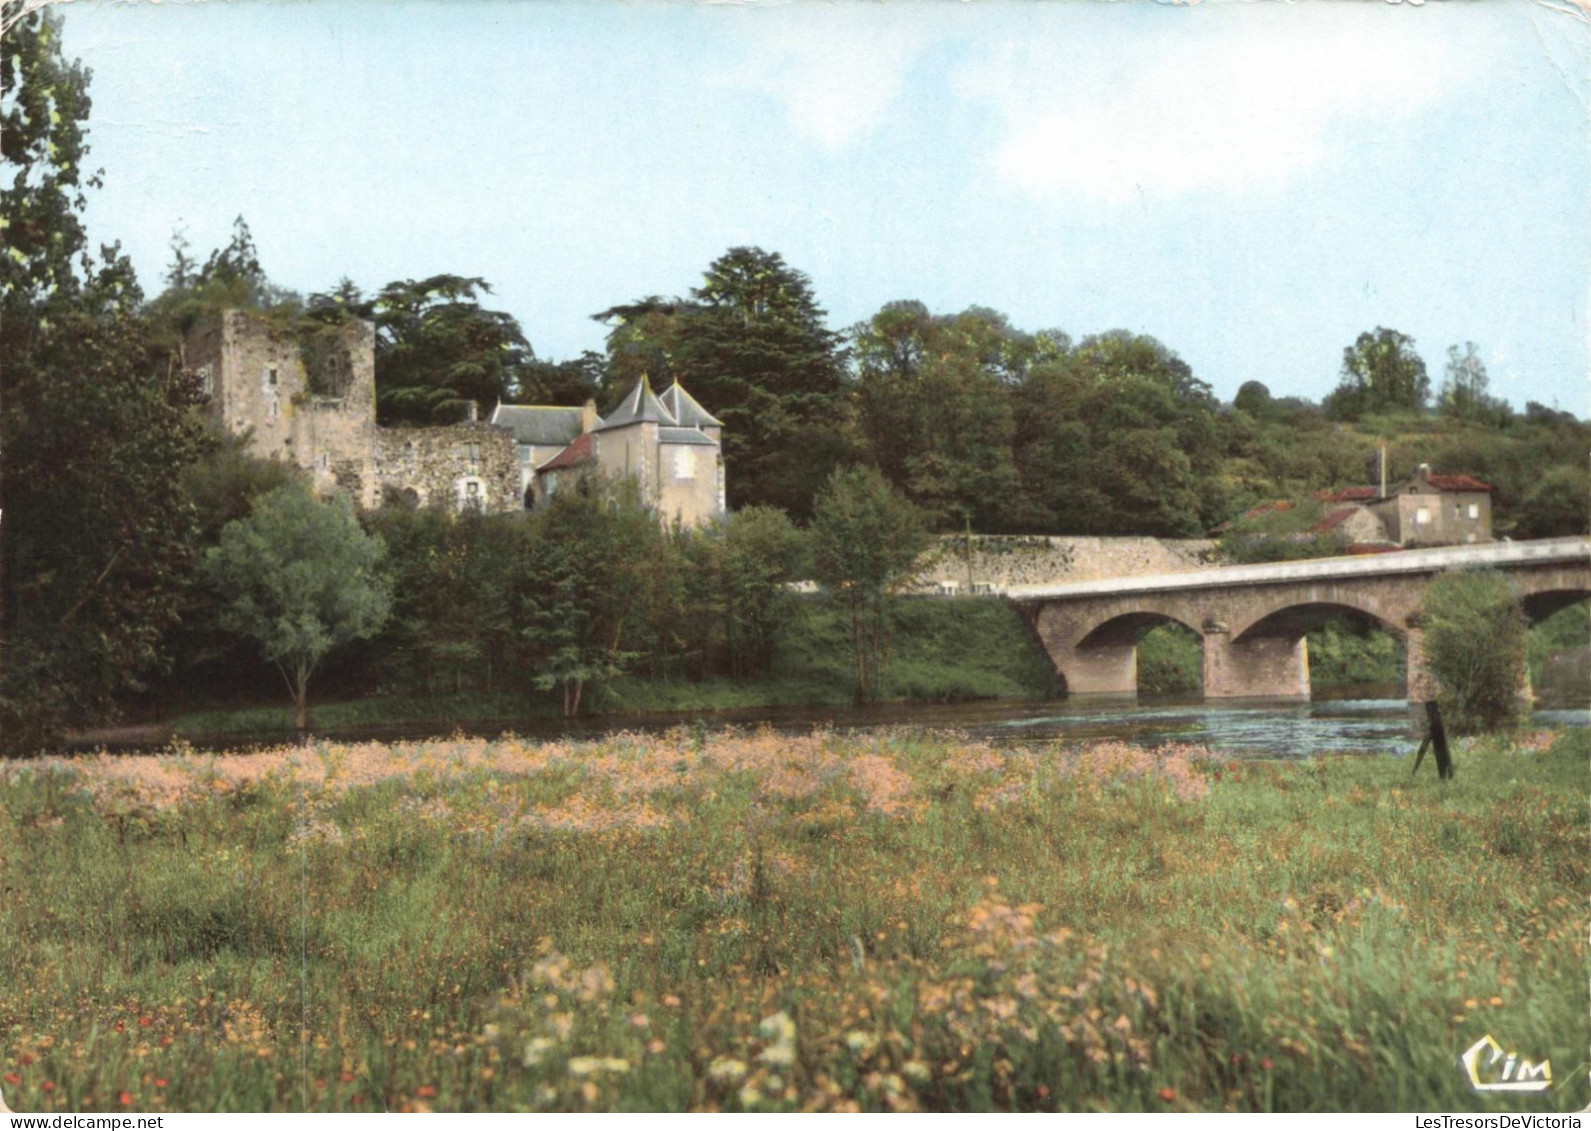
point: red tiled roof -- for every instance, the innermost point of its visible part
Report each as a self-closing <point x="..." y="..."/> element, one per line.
<point x="1348" y="495"/>
<point x="1334" y="519"/>
<point x="578" y="452"/>
<point x="1456" y="483"/>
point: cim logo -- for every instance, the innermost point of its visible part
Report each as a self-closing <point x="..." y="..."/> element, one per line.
<point x="1491" y="1070"/>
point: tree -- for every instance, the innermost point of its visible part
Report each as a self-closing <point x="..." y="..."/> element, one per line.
<point x="437" y="348"/>
<point x="1465" y="388"/>
<point x="96" y="426"/>
<point x="866" y="539"/>
<point x="1381" y="372"/>
<point x="737" y="586"/>
<point x="1558" y="506"/>
<point x="751" y="346"/>
<point x="1254" y="398"/>
<point x="300" y="578"/>
<point x="1474" y="647"/>
<point x="593" y="579"/>
<point x="934" y="404"/>
<point x="1118" y="437"/>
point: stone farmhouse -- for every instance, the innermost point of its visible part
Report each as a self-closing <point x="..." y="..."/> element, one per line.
<point x="308" y="397"/>
<point x="1426" y="510"/>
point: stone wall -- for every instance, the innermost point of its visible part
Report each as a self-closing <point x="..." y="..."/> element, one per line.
<point x="1004" y="561"/>
<point x="449" y="467"/>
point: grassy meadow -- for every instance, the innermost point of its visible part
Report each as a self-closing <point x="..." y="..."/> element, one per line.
<point x="750" y="920"/>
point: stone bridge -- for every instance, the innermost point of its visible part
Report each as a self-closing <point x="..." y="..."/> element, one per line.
<point x="1253" y="618"/>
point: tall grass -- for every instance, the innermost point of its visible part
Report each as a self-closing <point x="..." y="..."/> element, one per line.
<point x="771" y="922"/>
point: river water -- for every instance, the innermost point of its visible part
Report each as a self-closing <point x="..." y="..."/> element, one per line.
<point x="1373" y="723"/>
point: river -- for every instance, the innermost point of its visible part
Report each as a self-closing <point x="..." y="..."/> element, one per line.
<point x="1372" y="723"/>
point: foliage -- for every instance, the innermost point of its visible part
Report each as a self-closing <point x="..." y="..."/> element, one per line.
<point x="1284" y="530"/>
<point x="1558" y="506"/>
<point x="1117" y="437"/>
<point x="100" y="530"/>
<point x="1170" y="660"/>
<point x="592" y="587"/>
<point x="866" y="539"/>
<point x="1380" y="372"/>
<point x="778" y="922"/>
<point x="1345" y="653"/>
<point x="1465" y="388"/>
<point x="934" y="404"/>
<point x="300" y="578"/>
<point x="1565" y="629"/>
<point x="437" y="348"/>
<point x="1474" y="647"/>
<point x="737" y="578"/>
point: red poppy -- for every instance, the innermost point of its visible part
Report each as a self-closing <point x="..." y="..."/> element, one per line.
<point x="25" y="1059"/>
<point x="347" y="1077"/>
<point x="160" y="1081"/>
<point x="426" y="1092"/>
<point x="13" y="1079"/>
<point x="1267" y="1063"/>
<point x="1167" y="1094"/>
<point x="145" y="1022"/>
<point x="47" y="1086"/>
<point x="120" y="1026"/>
<point x="126" y="1099"/>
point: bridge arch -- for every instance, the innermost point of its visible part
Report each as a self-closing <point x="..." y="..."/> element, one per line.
<point x="1278" y="616"/>
<point x="1543" y="603"/>
<point x="1124" y="628"/>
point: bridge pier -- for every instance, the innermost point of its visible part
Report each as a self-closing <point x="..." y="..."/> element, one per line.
<point x="1099" y="669"/>
<point x="1260" y="667"/>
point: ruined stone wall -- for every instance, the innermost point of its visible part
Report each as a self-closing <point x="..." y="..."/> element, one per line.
<point x="1004" y="561"/>
<point x="439" y="466"/>
<point x="307" y="400"/>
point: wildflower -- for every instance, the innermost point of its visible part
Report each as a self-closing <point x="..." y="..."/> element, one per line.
<point x="125" y="1099"/>
<point x="1167" y="1094"/>
<point x="726" y="1069"/>
<point x="534" y="1051"/>
<point x="918" y="1073"/>
<point x="161" y="1081"/>
<point x="25" y="1059"/>
<point x="780" y="1032"/>
<point x="47" y="1086"/>
<point x="13" y="1079"/>
<point x="749" y="1096"/>
<point x="1266" y="1064"/>
<point x="858" y="1041"/>
<point x="425" y="1091"/>
<point x="591" y="1065"/>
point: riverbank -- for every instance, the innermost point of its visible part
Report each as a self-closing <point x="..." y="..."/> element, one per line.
<point x="760" y="921"/>
<point x="944" y="651"/>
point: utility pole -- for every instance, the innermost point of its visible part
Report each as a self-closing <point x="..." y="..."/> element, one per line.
<point x="969" y="554"/>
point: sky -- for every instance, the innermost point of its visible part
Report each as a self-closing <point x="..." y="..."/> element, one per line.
<point x="1254" y="184"/>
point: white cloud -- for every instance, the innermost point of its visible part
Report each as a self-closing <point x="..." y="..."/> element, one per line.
<point x="1250" y="105"/>
<point x="837" y="69"/>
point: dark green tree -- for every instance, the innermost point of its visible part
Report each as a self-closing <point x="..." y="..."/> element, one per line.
<point x="96" y="426"/>
<point x="1118" y="437"/>
<point x="934" y="403"/>
<point x="1381" y="372"/>
<point x="1466" y="389"/>
<point x="866" y="541"/>
<point x="1475" y="648"/>
<point x="437" y="349"/>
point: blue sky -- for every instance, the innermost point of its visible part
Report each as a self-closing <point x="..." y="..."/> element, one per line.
<point x="1252" y="183"/>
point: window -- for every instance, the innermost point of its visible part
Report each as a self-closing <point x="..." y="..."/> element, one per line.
<point x="524" y="453"/>
<point x="276" y="407"/>
<point x="684" y="463"/>
<point x="270" y="376"/>
<point x="206" y="381"/>
<point x="1474" y="510"/>
<point x="1422" y="516"/>
<point x="474" y="499"/>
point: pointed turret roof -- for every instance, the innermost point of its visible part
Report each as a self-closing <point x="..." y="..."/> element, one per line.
<point x="639" y="406"/>
<point x="685" y="409"/>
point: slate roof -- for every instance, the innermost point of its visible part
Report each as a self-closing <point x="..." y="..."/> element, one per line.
<point x="574" y="455"/>
<point x="693" y="436"/>
<point x="538" y="424"/>
<point x="685" y="409"/>
<point x="639" y="406"/>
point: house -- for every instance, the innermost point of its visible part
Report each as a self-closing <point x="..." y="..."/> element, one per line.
<point x="1436" y="510"/>
<point x="670" y="445"/>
